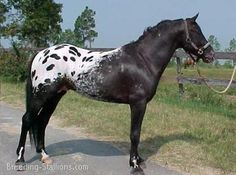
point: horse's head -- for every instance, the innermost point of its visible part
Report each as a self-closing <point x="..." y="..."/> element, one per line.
<point x="195" y="43"/>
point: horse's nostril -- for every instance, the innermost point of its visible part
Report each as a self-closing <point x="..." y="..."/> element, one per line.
<point x="210" y="55"/>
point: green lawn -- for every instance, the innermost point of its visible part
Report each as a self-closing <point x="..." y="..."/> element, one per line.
<point x="193" y="134"/>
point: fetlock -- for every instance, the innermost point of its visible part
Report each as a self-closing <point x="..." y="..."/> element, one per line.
<point x="135" y="161"/>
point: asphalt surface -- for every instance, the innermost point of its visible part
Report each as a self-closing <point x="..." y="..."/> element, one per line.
<point x="71" y="154"/>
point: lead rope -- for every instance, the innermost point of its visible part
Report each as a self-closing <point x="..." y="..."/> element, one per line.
<point x="219" y="92"/>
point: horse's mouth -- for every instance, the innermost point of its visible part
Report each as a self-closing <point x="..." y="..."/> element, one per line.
<point x="208" y="59"/>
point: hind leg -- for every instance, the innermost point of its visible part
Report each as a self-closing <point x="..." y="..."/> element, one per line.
<point x="21" y="147"/>
<point x="43" y="119"/>
<point x="27" y="120"/>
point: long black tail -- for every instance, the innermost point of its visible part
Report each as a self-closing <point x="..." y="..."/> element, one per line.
<point x="29" y="96"/>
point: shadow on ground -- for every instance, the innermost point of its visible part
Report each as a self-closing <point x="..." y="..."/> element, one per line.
<point x="105" y="148"/>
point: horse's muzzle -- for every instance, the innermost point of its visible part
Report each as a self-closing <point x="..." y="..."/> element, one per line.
<point x="209" y="57"/>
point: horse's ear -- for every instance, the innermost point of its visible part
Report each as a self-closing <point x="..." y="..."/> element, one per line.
<point x="195" y="17"/>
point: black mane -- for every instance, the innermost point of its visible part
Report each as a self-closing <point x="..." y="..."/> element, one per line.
<point x="161" y="26"/>
<point x="150" y="31"/>
<point x="154" y="29"/>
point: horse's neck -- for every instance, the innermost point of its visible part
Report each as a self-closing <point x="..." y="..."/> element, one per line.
<point x="158" y="53"/>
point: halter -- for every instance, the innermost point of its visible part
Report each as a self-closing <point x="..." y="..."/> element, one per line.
<point x="200" y="50"/>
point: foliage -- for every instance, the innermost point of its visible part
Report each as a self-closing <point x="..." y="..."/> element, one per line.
<point x="12" y="67"/>
<point x="3" y="11"/>
<point x="34" y="21"/>
<point x="68" y="36"/>
<point x="232" y="46"/>
<point x="84" y="27"/>
<point x="217" y="63"/>
<point x="214" y="42"/>
<point x="13" y="64"/>
<point x="228" y="64"/>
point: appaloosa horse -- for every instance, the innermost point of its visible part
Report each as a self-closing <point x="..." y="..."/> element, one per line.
<point x="129" y="75"/>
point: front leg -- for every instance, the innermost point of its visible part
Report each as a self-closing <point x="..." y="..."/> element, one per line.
<point x="137" y="112"/>
<point x="45" y="158"/>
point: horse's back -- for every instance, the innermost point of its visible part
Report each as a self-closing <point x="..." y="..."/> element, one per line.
<point x="69" y="62"/>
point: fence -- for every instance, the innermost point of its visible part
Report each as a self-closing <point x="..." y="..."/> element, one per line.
<point x="199" y="81"/>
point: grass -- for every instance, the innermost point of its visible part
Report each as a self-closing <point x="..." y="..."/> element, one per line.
<point x="12" y="93"/>
<point x="198" y="130"/>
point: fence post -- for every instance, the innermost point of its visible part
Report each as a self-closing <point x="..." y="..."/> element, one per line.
<point x="179" y="73"/>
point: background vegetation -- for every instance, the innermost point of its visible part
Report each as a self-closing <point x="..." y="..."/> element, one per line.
<point x="31" y="25"/>
<point x="30" y="28"/>
<point x="194" y="133"/>
<point x="197" y="130"/>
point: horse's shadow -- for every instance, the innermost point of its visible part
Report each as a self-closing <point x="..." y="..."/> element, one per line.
<point x="105" y="148"/>
<point x="84" y="146"/>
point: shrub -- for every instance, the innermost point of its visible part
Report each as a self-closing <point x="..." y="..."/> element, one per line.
<point x="13" y="67"/>
<point x="228" y="64"/>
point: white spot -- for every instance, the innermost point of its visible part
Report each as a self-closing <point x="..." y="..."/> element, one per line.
<point x="80" y="66"/>
<point x="122" y="68"/>
<point x="110" y="68"/>
<point x="20" y="153"/>
<point x="44" y="155"/>
<point x="135" y="163"/>
<point x="40" y="111"/>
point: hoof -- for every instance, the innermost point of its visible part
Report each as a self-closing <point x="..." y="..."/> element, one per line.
<point x="20" y="165"/>
<point x="136" y="162"/>
<point x="46" y="160"/>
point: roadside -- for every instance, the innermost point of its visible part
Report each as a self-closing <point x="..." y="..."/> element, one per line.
<point x="195" y="135"/>
<point x="71" y="153"/>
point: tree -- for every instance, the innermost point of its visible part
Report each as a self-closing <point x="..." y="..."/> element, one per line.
<point x="3" y="11"/>
<point x="36" y="21"/>
<point x="214" y="42"/>
<point x="232" y="46"/>
<point x="67" y="36"/>
<point x="84" y="27"/>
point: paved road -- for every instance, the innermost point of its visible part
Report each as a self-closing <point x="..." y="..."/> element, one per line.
<point x="71" y="154"/>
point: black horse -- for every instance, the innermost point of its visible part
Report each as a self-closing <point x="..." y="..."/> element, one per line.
<point x="128" y="75"/>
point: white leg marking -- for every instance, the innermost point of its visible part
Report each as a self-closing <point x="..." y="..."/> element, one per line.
<point x="44" y="155"/>
<point x="20" y="153"/>
<point x="135" y="163"/>
<point x="40" y="111"/>
<point x="45" y="158"/>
